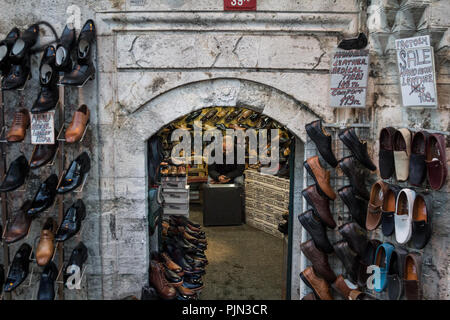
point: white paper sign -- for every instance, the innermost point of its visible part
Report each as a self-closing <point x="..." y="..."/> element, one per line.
<point x="43" y="128"/>
<point x="349" y="73"/>
<point x="415" y="60"/>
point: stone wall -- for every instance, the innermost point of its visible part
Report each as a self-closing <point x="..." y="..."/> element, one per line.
<point x="164" y="59"/>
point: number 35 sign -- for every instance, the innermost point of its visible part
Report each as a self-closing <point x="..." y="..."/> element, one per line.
<point x="239" y="5"/>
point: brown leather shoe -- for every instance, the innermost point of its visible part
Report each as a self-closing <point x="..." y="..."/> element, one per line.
<point x="171" y="265"/>
<point x="19" y="126"/>
<point x="412" y="275"/>
<point x="436" y="161"/>
<point x="321" y="177"/>
<point x="19" y="226"/>
<point x="340" y="286"/>
<point x="193" y="239"/>
<point x="46" y="246"/>
<point x="78" y="124"/>
<point x="319" y="260"/>
<point x="318" y="285"/>
<point x="158" y="280"/>
<point x="43" y="154"/>
<point x="320" y="205"/>
<point x="373" y="218"/>
<point x="358" y="295"/>
<point x="309" y="296"/>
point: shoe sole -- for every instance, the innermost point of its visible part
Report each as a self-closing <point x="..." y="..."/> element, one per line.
<point x="309" y="285"/>
<point x="311" y="173"/>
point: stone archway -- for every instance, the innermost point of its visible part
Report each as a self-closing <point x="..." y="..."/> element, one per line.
<point x="125" y="192"/>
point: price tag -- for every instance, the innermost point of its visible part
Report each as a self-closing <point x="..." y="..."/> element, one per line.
<point x="43" y="128"/>
<point x="239" y="5"/>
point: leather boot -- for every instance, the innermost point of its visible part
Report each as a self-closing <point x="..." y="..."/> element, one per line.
<point x="357" y="147"/>
<point x="357" y="206"/>
<point x="357" y="179"/>
<point x="77" y="126"/>
<point x="355" y="236"/>
<point x="319" y="260"/>
<point x="318" y="285"/>
<point x="322" y="140"/>
<point x="46" y="245"/>
<point x="19" y="126"/>
<point x="321" y="177"/>
<point x="320" y="205"/>
<point x="158" y="280"/>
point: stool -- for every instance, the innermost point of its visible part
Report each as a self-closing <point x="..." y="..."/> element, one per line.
<point x="222" y="205"/>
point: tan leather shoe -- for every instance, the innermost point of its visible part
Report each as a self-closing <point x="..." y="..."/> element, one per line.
<point x="377" y="193"/>
<point x="19" y="225"/>
<point x="402" y="152"/>
<point x="46" y="246"/>
<point x="318" y="285"/>
<point x="78" y="124"/>
<point x="19" y="126"/>
<point x="321" y="176"/>
<point x="158" y="280"/>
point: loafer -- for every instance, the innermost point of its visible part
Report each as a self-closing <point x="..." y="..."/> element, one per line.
<point x="386" y="155"/>
<point x="320" y="205"/>
<point x="19" y="127"/>
<point x="77" y="126"/>
<point x="321" y="177"/>
<point x="357" y="147"/>
<point x="403" y="215"/>
<point x="45" y="196"/>
<point x="67" y="41"/>
<point x="357" y="179"/>
<point x="19" y="226"/>
<point x="349" y="259"/>
<point x="19" y="268"/>
<point x="75" y="174"/>
<point x="319" y="260"/>
<point x="402" y="152"/>
<point x="5" y="49"/>
<point x="417" y="161"/>
<point x="388" y="210"/>
<point x="412" y="276"/>
<point x="48" y="76"/>
<point x="436" y="161"/>
<point x="71" y="223"/>
<point x="46" y="245"/>
<point x="43" y="154"/>
<point x="47" y="283"/>
<point x="317" y="231"/>
<point x="356" y="205"/>
<point x="377" y="193"/>
<point x="317" y="284"/>
<point x="355" y="236"/>
<point x="382" y="260"/>
<point x="354" y="43"/>
<point x="16" y="175"/>
<point x="395" y="274"/>
<point x="322" y="140"/>
<point x="422" y="223"/>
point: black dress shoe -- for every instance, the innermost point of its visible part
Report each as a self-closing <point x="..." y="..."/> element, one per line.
<point x="322" y="140"/>
<point x="355" y="43"/>
<point x="357" y="147"/>
<point x="349" y="259"/>
<point x="356" y="205"/>
<point x="49" y="95"/>
<point x="18" y="270"/>
<point x="357" y="179"/>
<point x="71" y="223"/>
<point x="5" y="49"/>
<point x="47" y="284"/>
<point x="22" y="46"/>
<point x="77" y="258"/>
<point x="355" y="236"/>
<point x="84" y="69"/>
<point x="64" y="50"/>
<point x="18" y="75"/>
<point x="316" y="230"/>
<point x="43" y="154"/>
<point x="75" y="174"/>
<point x="16" y="175"/>
<point x="45" y="196"/>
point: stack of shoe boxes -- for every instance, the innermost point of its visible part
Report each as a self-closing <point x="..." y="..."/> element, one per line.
<point x="176" y="195"/>
<point x="266" y="200"/>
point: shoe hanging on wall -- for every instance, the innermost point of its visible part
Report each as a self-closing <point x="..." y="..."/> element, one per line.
<point x="46" y="245"/>
<point x="71" y="223"/>
<point x="47" y="283"/>
<point x="422" y="222"/>
<point x="357" y="147"/>
<point x="355" y="43"/>
<point x="64" y="49"/>
<point x="19" y="268"/>
<point x="316" y="230"/>
<point x="19" y="225"/>
<point x="19" y="127"/>
<point x="357" y="178"/>
<point x="417" y="161"/>
<point x="75" y="174"/>
<point x="43" y="154"/>
<point x="84" y="69"/>
<point x="322" y="140"/>
<point x="386" y="154"/>
<point x="388" y="210"/>
<point x="16" y="175"/>
<point x="436" y="161"/>
<point x="5" y="50"/>
<point x="45" y="196"/>
<point x="77" y="126"/>
<point x="48" y="77"/>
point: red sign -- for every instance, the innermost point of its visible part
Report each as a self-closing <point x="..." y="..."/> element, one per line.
<point x="239" y="5"/>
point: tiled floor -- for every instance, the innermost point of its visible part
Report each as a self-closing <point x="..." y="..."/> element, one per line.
<point x="244" y="263"/>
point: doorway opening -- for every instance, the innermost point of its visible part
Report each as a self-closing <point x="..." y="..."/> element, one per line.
<point x="240" y="222"/>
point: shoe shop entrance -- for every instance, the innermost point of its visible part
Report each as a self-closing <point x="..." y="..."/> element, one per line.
<point x="222" y="229"/>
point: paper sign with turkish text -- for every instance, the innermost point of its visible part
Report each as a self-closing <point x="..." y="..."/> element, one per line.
<point x="43" y="128"/>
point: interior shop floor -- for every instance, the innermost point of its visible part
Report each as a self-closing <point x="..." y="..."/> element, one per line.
<point x="244" y="263"/>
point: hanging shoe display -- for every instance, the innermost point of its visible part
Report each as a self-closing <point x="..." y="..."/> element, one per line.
<point x="75" y="174"/>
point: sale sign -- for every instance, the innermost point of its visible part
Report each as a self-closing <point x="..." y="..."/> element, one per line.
<point x="349" y="73"/>
<point x="415" y="61"/>
<point x="43" y="128"/>
<point x="239" y="5"/>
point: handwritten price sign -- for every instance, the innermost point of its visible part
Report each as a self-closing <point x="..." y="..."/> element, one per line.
<point x="43" y="128"/>
<point x="239" y="5"/>
<point x="348" y="78"/>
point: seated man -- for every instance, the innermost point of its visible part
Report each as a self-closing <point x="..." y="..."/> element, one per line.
<point x="226" y="173"/>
